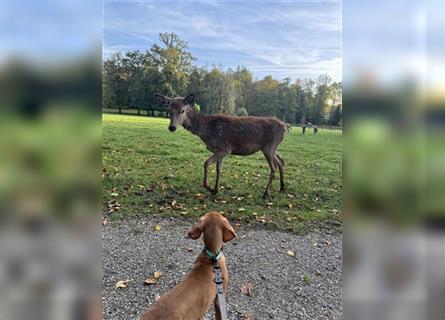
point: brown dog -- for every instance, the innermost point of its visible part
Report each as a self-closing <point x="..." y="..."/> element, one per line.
<point x="193" y="296"/>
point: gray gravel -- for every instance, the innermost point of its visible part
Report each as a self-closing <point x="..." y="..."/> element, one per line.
<point x="306" y="286"/>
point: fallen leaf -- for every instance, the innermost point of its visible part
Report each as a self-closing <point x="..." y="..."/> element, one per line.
<point x="247" y="289"/>
<point x="199" y="196"/>
<point x="261" y="219"/>
<point x="122" y="283"/>
<point x="104" y="221"/>
<point x="150" y="280"/>
<point x="241" y="209"/>
<point x="248" y="316"/>
<point x="153" y="279"/>
<point x="157" y="228"/>
<point x="291" y="253"/>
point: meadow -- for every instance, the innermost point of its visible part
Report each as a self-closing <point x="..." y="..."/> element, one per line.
<point x="149" y="170"/>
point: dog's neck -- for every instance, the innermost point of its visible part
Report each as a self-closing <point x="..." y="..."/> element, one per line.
<point x="213" y="240"/>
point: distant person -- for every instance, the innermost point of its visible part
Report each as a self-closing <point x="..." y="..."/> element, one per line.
<point x="315" y="129"/>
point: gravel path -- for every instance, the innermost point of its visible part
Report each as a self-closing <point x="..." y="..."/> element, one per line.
<point x="305" y="286"/>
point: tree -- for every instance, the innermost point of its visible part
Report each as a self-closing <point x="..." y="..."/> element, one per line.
<point x="218" y="93"/>
<point x="116" y="82"/>
<point x="241" y="112"/>
<point x="196" y="80"/>
<point x="130" y="79"/>
<point x="318" y="114"/>
<point x="244" y="88"/>
<point x="265" y="101"/>
<point x="174" y="62"/>
<point x="336" y="116"/>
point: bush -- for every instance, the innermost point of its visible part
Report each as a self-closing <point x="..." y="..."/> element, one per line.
<point x="241" y="112"/>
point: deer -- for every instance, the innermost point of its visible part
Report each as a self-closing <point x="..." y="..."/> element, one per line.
<point x="229" y="135"/>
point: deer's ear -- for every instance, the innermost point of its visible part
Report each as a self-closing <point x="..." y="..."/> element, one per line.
<point x="161" y="98"/>
<point x="190" y="99"/>
<point x="228" y="232"/>
<point x="194" y="233"/>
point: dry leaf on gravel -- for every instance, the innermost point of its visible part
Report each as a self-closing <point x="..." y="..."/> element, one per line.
<point x="157" y="228"/>
<point x="247" y="289"/>
<point x="153" y="279"/>
<point x="247" y="316"/>
<point x="150" y="280"/>
<point x="122" y="283"/>
<point x="291" y="253"/>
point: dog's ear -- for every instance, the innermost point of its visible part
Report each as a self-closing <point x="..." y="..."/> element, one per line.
<point x="161" y="98"/>
<point x="228" y="232"/>
<point x="190" y="99"/>
<point x="194" y="233"/>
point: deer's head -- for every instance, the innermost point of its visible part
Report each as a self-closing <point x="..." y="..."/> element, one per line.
<point x="177" y="107"/>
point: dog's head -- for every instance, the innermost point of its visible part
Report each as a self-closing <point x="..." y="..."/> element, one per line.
<point x="215" y="227"/>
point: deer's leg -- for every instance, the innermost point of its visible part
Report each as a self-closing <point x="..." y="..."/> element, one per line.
<point x="207" y="163"/>
<point x="270" y="157"/>
<point x="215" y="158"/>
<point x="280" y="164"/>
<point x="219" y="164"/>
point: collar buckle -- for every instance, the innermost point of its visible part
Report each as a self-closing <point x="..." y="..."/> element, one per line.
<point x="214" y="257"/>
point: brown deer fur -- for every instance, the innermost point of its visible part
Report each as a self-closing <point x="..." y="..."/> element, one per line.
<point x="194" y="295"/>
<point x="224" y="135"/>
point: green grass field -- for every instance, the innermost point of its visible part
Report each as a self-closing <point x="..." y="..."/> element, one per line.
<point x="149" y="170"/>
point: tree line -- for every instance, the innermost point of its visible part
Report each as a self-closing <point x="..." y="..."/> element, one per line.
<point x="131" y="78"/>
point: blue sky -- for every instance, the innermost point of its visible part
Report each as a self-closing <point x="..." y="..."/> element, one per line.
<point x="296" y="39"/>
